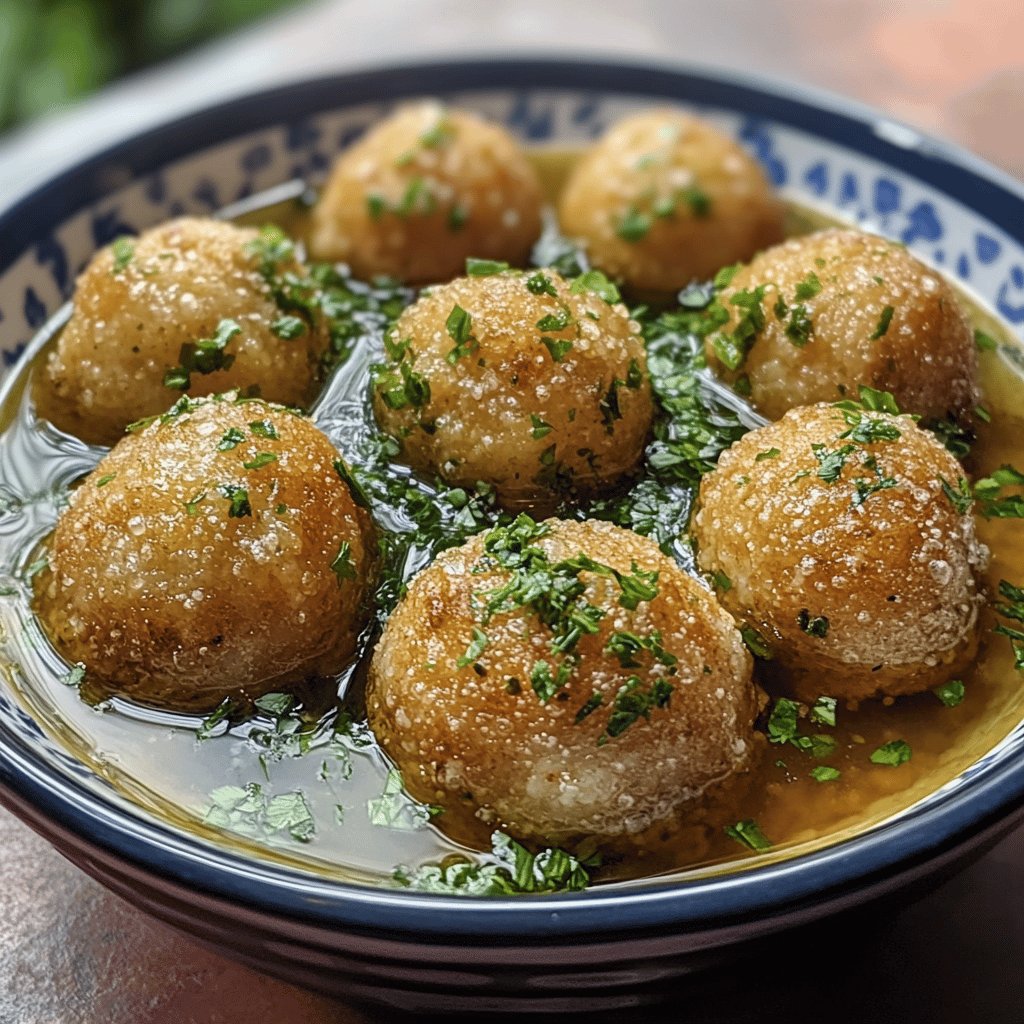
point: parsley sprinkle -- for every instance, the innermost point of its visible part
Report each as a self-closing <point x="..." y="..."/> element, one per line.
<point x="633" y="226"/>
<point x="632" y="703"/>
<point x="207" y="355"/>
<point x="342" y="566"/>
<point x="756" y="643"/>
<point x="459" y="326"/>
<point x="992" y="502"/>
<point x="376" y="206"/>
<point x="75" y="675"/>
<point x="961" y="496"/>
<point x="474" y="650"/>
<point x="824" y="711"/>
<point x="485" y="268"/>
<point x="894" y="753"/>
<point x="105" y="479"/>
<point x="457" y="217"/>
<point x="985" y="342"/>
<point x="260" y="460"/>
<point x="768" y="453"/>
<point x="540" y="284"/>
<point x="951" y="694"/>
<point x="123" y="249"/>
<point x="540" y="428"/>
<point x="831" y="463"/>
<point x="825" y="773"/>
<point x="783" y="721"/>
<point x="1013" y="610"/>
<point x="596" y="282"/>
<point x="808" y="287"/>
<point x="594" y="701"/>
<point x="192" y="506"/>
<point x="288" y="327"/>
<point x="231" y="439"/>
<point x="558" y="349"/>
<point x="722" y="582"/>
<point x="239" y="499"/>
<point x="883" y="323"/>
<point x="748" y="833"/>
<point x="264" y="428"/>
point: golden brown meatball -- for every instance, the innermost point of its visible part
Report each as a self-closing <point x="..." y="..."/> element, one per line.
<point x="189" y="282"/>
<point x="832" y="534"/>
<point x="561" y="679"/>
<point x="840" y="309"/>
<point x="424" y="190"/>
<point x="523" y="381"/>
<point x="665" y="198"/>
<point x="214" y="553"/>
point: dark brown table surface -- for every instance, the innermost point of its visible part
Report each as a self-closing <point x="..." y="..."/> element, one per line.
<point x="70" y="953"/>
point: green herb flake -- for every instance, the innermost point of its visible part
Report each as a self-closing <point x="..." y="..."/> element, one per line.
<point x="123" y="250"/>
<point x="722" y="582"/>
<point x="633" y="226"/>
<point x="485" y="268"/>
<point x="831" y="463"/>
<point x="192" y="506"/>
<point x="474" y="650"/>
<point x="985" y="342"/>
<point x="825" y="773"/>
<point x="768" y="453"/>
<point x="951" y="694"/>
<point x="808" y="287"/>
<point x="783" y="723"/>
<point x="74" y="675"/>
<point x="342" y="566"/>
<point x="288" y="327"/>
<point x="748" y="833"/>
<point x="260" y="460"/>
<point x="264" y="428"/>
<point x="239" y="500"/>
<point x="883" y="323"/>
<point x="105" y="479"/>
<point x="594" y="701"/>
<point x="539" y="427"/>
<point x="207" y="355"/>
<point x="992" y="503"/>
<point x="457" y="217"/>
<point x="376" y="206"/>
<point x="595" y="281"/>
<point x="824" y="711"/>
<point x="230" y="439"/>
<point x="894" y="753"/>
<point x="558" y="349"/>
<point x="540" y="284"/>
<point x="756" y="643"/>
<point x="961" y="497"/>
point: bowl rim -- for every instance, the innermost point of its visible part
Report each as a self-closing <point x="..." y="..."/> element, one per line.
<point x="994" y="792"/>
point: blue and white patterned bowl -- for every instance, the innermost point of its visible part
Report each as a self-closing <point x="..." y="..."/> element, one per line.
<point x="609" y="946"/>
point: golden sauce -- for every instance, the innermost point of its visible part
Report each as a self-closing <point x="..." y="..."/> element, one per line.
<point x="155" y="760"/>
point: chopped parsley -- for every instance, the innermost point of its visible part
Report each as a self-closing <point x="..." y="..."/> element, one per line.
<point x="508" y="870"/>
<point x="540" y="284"/>
<point x="985" y="342"/>
<point x="992" y="503"/>
<point x="123" y="250"/>
<point x="238" y="498"/>
<point x="207" y="355"/>
<point x="756" y="643"/>
<point x="825" y="773"/>
<point x="824" y="711"/>
<point x="961" y="497"/>
<point x="342" y="566"/>
<point x="633" y="225"/>
<point x="808" y="287"/>
<point x="883" y="324"/>
<point x="230" y="439"/>
<point x="1012" y="608"/>
<point x="260" y="460"/>
<point x="540" y="428"/>
<point x="894" y="753"/>
<point x="748" y="833"/>
<point x="485" y="268"/>
<point x="74" y="675"/>
<point x="594" y="281"/>
<point x="395" y="381"/>
<point x="249" y="811"/>
<point x="768" y="453"/>
<point x="731" y="347"/>
<point x="264" y="428"/>
<point x="558" y="349"/>
<point x="459" y="326"/>
<point x="951" y="694"/>
<point x="105" y="479"/>
<point x="831" y="463"/>
<point x="474" y="650"/>
<point x="633" y="702"/>
<point x="394" y="808"/>
<point x="288" y="327"/>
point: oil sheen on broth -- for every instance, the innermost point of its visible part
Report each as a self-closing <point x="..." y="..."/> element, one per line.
<point x="341" y="812"/>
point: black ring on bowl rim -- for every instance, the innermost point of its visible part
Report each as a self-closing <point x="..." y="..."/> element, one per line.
<point x="950" y="819"/>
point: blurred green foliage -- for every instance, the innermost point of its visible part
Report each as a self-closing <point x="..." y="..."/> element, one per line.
<point x="54" y="51"/>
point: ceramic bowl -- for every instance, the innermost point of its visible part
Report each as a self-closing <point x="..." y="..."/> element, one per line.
<point x="610" y="947"/>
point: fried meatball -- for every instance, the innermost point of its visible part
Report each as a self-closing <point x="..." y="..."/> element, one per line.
<point x="522" y="381"/>
<point x="142" y="305"/>
<point x="424" y="190"/>
<point x="561" y="679"/>
<point x="843" y="308"/>
<point x="841" y="536"/>
<point x="664" y="198"/>
<point x="214" y="553"/>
